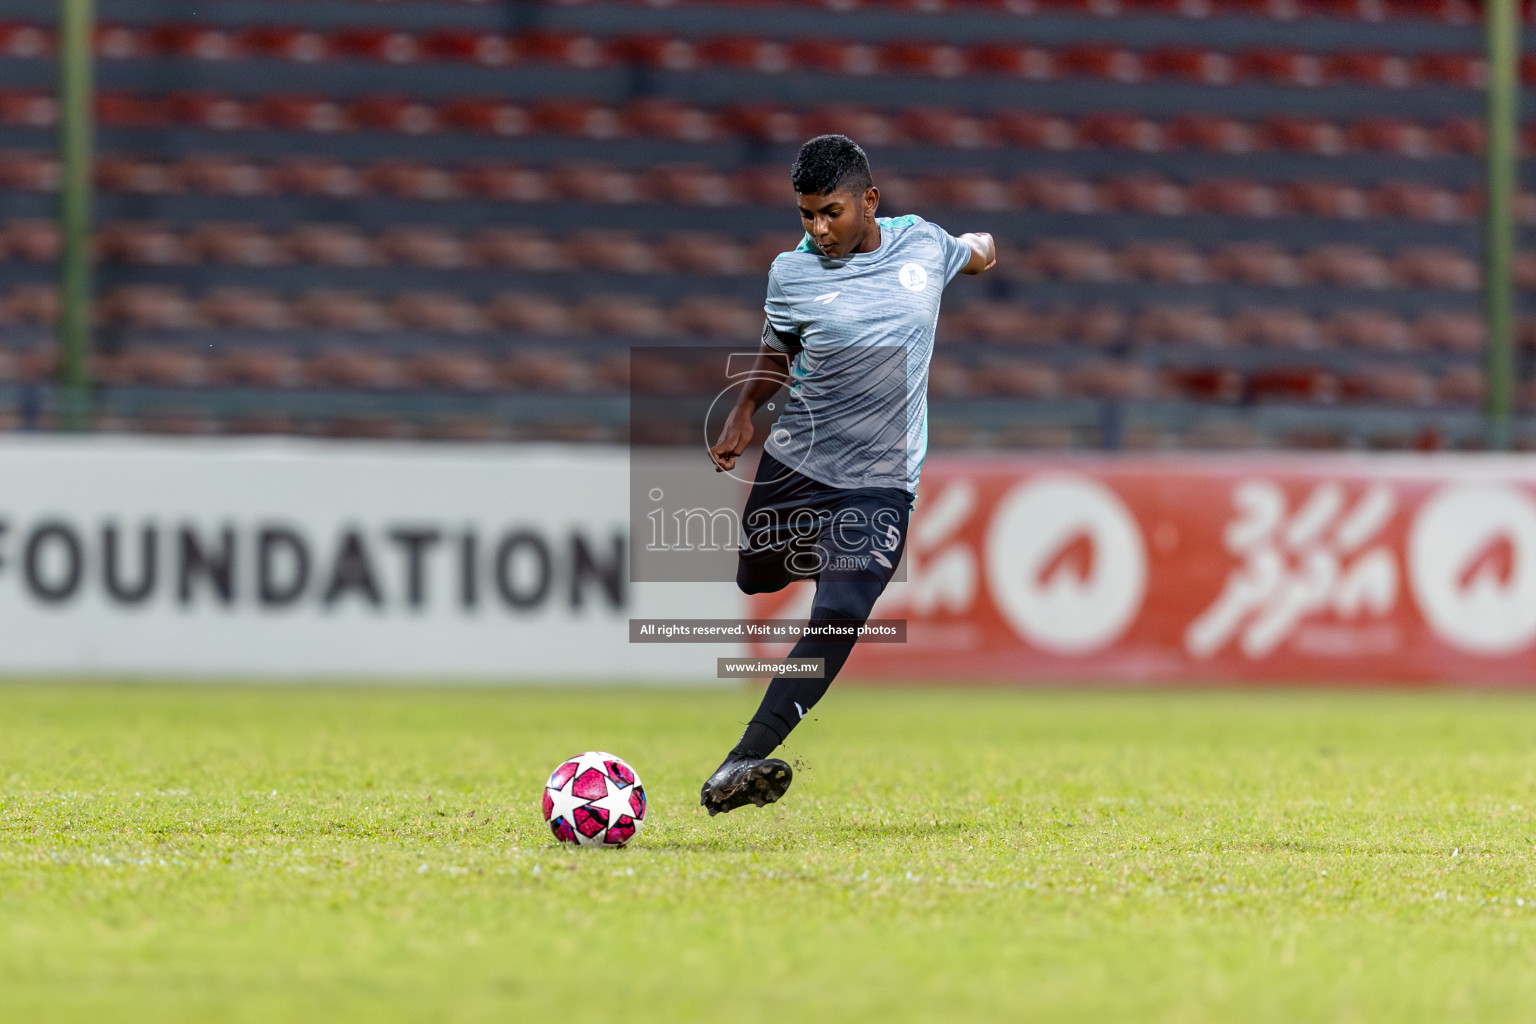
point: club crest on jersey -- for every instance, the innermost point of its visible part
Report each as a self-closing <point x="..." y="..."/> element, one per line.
<point x="913" y="277"/>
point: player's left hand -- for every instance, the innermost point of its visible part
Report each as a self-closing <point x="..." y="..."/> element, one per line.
<point x="734" y="438"/>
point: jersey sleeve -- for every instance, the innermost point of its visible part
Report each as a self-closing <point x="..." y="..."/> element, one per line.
<point x="956" y="253"/>
<point x="779" y="330"/>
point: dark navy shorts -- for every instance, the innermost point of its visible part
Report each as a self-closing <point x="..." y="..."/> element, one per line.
<point x="797" y="528"/>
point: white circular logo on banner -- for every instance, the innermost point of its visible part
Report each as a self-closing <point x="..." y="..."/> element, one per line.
<point x="1066" y="563"/>
<point x="1472" y="563"/>
<point x="913" y="277"/>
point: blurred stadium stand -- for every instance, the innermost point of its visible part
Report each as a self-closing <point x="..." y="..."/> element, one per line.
<point x="1222" y="224"/>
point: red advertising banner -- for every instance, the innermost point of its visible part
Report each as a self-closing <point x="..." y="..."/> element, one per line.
<point x="1234" y="568"/>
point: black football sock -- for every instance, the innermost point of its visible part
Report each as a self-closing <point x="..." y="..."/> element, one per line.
<point x="789" y="699"/>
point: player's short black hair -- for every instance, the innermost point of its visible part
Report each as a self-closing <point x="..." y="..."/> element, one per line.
<point x="830" y="163"/>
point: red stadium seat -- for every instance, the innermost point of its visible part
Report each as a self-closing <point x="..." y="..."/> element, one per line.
<point x="622" y="316"/>
<point x="871" y="127"/>
<point x="301" y="45"/>
<point x="334" y="246"/>
<point x="213" y="111"/>
<point x="663" y="53"/>
<point x="319" y="176"/>
<point x="1123" y="131"/>
<point x="706" y="253"/>
<point x="1016" y="379"/>
<point x="464" y="372"/>
<point x="342" y="311"/>
<point x="359" y="369"/>
<point x="240" y="245"/>
<point x="25" y="42"/>
<point x="1289" y="330"/>
<point x="440" y="312"/>
<point x="939" y="126"/>
<point x="1070" y="260"/>
<point x="585" y="118"/>
<point x="597" y="183"/>
<point x="931" y="60"/>
<point x="1015" y="60"/>
<point x="616" y="252"/>
<point x="743" y="53"/>
<point x="569" y="48"/>
<point x="1293" y="384"/>
<point x="556" y="372"/>
<point x="408" y="179"/>
<point x="1181" y="326"/>
<point x="488" y="49"/>
<point x="835" y="57"/>
<point x="213" y="174"/>
<point x="119" y="42"/>
<point x="126" y="110"/>
<point x="1421" y="202"/>
<point x="1204" y="383"/>
<point x="1281" y="67"/>
<point x="422" y="246"/>
<point x="1029" y="130"/>
<point x="1462" y="385"/>
<point x="143" y="244"/>
<point x="1449" y="331"/>
<point x="32" y="240"/>
<point x="1389" y="135"/>
<point x="488" y="116"/>
<point x="1146" y="194"/>
<point x="259" y="367"/>
<point x="305" y="113"/>
<point x="30" y="172"/>
<point x="1436" y="267"/>
<point x="150" y="308"/>
<point x="1057" y="193"/>
<point x="134" y="176"/>
<point x="1208" y="67"/>
<point x="767" y="123"/>
<point x="1368" y="330"/>
<point x="155" y="366"/>
<point x="1330" y="199"/>
<point x="1460" y="70"/>
<point x="1464" y="135"/>
<point x="1163" y="262"/>
<point x="394" y="114"/>
<point x="1305" y="135"/>
<point x="673" y="120"/>
<point x="1393" y="385"/>
<point x="1345" y="266"/>
<point x="968" y="192"/>
<point x="1111" y="63"/>
<point x="28" y="109"/>
<point x="379" y="44"/>
<point x="1102" y="378"/>
<point x="692" y="185"/>
<point x="507" y="183"/>
<point x="519" y="249"/>
<point x="1235" y="198"/>
<point x="531" y="315"/>
<point x="1262" y="264"/>
<point x="198" y="42"/>
<point x="1214" y="134"/>
<point x="1382" y="69"/>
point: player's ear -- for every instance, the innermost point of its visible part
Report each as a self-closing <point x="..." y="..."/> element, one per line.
<point x="871" y="200"/>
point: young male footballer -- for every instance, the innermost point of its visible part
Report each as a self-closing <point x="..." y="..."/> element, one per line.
<point x="853" y="309"/>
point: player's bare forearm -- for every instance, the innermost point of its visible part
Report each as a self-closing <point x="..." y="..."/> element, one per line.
<point x="767" y="377"/>
<point x="983" y="252"/>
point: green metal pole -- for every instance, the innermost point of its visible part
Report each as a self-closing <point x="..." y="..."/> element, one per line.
<point x="77" y="23"/>
<point x="1503" y="25"/>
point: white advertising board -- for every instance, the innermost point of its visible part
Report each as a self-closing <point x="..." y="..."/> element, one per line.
<point x="299" y="558"/>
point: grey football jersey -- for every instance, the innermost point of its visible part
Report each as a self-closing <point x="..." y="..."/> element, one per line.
<point x="862" y="329"/>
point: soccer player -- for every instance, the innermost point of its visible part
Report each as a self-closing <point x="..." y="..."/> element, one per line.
<point x="853" y="309"/>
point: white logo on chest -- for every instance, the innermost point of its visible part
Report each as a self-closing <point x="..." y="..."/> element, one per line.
<point x="826" y="300"/>
<point x="913" y="277"/>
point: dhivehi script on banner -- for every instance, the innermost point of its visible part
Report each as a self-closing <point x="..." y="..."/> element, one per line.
<point x="292" y="557"/>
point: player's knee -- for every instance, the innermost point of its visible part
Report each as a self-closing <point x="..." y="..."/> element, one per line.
<point x="749" y="582"/>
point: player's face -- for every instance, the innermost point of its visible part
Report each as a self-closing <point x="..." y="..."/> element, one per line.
<point x="840" y="223"/>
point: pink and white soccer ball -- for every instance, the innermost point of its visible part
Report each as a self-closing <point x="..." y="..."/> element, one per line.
<point x="594" y="799"/>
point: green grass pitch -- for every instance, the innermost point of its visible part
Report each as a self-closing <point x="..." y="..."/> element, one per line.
<point x="216" y="853"/>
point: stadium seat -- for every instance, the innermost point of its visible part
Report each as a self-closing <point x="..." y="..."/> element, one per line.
<point x="572" y="49"/>
<point x="1204" y="383"/>
<point x="534" y="315"/>
<point x="354" y="369"/>
<point x="1392" y="385"/>
<point x="425" y="246"/>
<point x="1390" y="135"/>
<point x="953" y="129"/>
<point x="1419" y="201"/>
<point x="691" y="185"/>
<point x="143" y="244"/>
<point x="1017" y="379"/>
<point x="1436" y="267"/>
<point x="464" y="372"/>
<point x="1057" y="193"/>
<point x="28" y="109"/>
<point x="617" y="252"/>
<point x="1100" y="326"/>
<point x="25" y="42"/>
<point x="1070" y="260"/>
<point x="249" y="309"/>
<point x="31" y="240"/>
<point x="663" y="53"/>
<point x="835" y="56"/>
<point x="1163" y="262"/>
<point x="705" y="253"/>
<point x="744" y="53"/>
<point x="332" y="245"/>
<point x="341" y="310"/>
<point x="1462" y="385"/>
<point x="1191" y="64"/>
<point x="544" y="371"/>
<point x="1104" y="378"/>
<point x="1345" y="266"/>
<point x="1388" y="70"/>
<point x="519" y="249"/>
<point x="506" y="183"/>
<point x="1214" y="134"/>
<point x="214" y="174"/>
<point x="197" y="42"/>
<point x="1180" y="326"/>
<point x="1235" y="198"/>
<point x="148" y="307"/>
<point x="316" y="114"/>
<point x="1146" y="194"/>
<point x="1280" y="67"/>
<point x="1368" y="330"/>
<point x="207" y="110"/>
<point x="136" y="176"/>
<point x="586" y="119"/>
<point x="1123" y="131"/>
<point x="488" y="49"/>
<point x="1293" y="384"/>
<point x="766" y="122"/>
<point x="1333" y="200"/>
<point x="1289" y="330"/>
<point x="1255" y="263"/>
<point x="1460" y="70"/>
<point x="488" y="116"/>
<point x="154" y="366"/>
<point x="293" y="43"/>
<point x="674" y="121"/>
<point x="409" y="179"/>
<point x="620" y="316"/>
<point x="596" y="183"/>
<point x="1029" y="130"/>
<point x="1305" y="135"/>
<point x="1111" y="63"/>
<point x="249" y="366"/>
<point x="1450" y="331"/>
<point x="394" y="114"/>
<point x="1015" y="60"/>
<point x="440" y="312"/>
<point x="930" y="60"/>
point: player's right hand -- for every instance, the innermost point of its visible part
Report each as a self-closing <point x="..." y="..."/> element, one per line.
<point x="734" y="438"/>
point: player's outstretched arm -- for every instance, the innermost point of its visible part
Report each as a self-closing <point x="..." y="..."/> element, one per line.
<point x="983" y="252"/>
<point x="767" y="377"/>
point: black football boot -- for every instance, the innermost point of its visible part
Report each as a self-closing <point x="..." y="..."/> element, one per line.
<point x="744" y="779"/>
